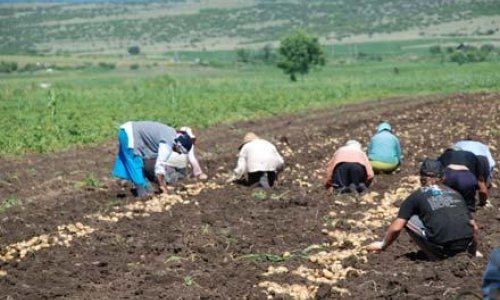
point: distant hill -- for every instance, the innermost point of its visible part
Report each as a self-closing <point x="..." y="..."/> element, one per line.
<point x="95" y="26"/>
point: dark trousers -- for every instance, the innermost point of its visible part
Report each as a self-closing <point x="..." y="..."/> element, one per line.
<point x="464" y="182"/>
<point x="347" y="173"/>
<point x="417" y="231"/>
<point x="263" y="179"/>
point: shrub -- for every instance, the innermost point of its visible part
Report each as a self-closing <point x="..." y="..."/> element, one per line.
<point x="134" y="50"/>
<point x="8" y="67"/>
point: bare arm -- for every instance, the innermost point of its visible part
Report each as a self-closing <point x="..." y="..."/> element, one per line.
<point x="390" y="236"/>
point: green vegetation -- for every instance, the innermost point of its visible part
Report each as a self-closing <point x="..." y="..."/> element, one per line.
<point x="63" y="27"/>
<point x="51" y="111"/>
<point x="298" y="52"/>
<point x="188" y="280"/>
<point x="8" y="203"/>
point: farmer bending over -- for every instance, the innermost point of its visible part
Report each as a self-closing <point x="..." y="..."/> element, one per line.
<point x="435" y="217"/>
<point x="177" y="164"/>
<point x="142" y="140"/>
<point x="482" y="153"/>
<point x="258" y="162"/>
<point x="349" y="170"/>
<point x="384" y="150"/>
<point x="463" y="174"/>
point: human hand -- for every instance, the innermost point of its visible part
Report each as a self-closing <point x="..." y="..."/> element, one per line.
<point x="231" y="179"/>
<point x="163" y="189"/>
<point x="375" y="246"/>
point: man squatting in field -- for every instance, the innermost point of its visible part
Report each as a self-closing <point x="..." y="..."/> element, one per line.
<point x="177" y="164"/>
<point x="465" y="174"/>
<point x="435" y="216"/>
<point x="147" y="140"/>
<point x="349" y="170"/>
<point x="258" y="162"/>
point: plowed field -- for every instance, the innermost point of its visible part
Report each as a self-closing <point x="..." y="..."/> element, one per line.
<point x="74" y="232"/>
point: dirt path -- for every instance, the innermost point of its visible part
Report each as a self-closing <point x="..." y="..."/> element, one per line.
<point x="68" y="238"/>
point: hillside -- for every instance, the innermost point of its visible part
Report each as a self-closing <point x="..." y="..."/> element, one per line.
<point x="158" y="26"/>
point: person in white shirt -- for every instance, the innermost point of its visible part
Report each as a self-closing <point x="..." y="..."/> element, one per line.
<point x="258" y="162"/>
<point x="177" y="164"/>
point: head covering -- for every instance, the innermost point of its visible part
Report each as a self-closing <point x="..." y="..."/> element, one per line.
<point x="189" y="131"/>
<point x="431" y="168"/>
<point x="354" y="144"/>
<point x="454" y="147"/>
<point x="384" y="126"/>
<point x="183" y="142"/>
<point x="250" y="136"/>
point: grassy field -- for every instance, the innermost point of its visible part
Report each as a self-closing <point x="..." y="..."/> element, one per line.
<point x="86" y="106"/>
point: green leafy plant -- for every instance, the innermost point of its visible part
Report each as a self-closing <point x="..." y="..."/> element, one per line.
<point x="8" y="203"/>
<point x="188" y="280"/>
<point x="260" y="195"/>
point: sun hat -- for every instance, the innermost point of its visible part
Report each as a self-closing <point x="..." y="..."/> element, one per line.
<point x="384" y="126"/>
<point x="431" y="168"/>
<point x="183" y="142"/>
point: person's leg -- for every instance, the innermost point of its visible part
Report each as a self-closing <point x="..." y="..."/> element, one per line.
<point x="416" y="230"/>
<point x="491" y="277"/>
<point x="254" y="179"/>
<point x="465" y="183"/>
<point x="340" y="178"/>
<point x="271" y="177"/>
<point x="357" y="174"/>
<point x="264" y="181"/>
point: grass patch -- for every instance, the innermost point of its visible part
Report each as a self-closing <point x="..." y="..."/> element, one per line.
<point x="8" y="203"/>
<point x="259" y="195"/>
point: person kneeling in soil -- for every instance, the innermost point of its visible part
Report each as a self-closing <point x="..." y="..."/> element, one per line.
<point x="435" y="216"/>
<point x="177" y="164"/>
<point x="463" y="174"/>
<point x="142" y="140"/>
<point x="349" y="170"/>
<point x="384" y="149"/>
<point x="258" y="162"/>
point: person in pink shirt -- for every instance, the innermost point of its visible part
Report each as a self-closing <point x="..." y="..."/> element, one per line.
<point x="349" y="170"/>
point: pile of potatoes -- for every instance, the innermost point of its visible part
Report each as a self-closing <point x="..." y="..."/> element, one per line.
<point x="344" y="244"/>
<point x="196" y="188"/>
<point x="66" y="233"/>
<point x="296" y="291"/>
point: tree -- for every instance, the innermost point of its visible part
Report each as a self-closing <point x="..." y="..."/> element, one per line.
<point x="243" y="55"/>
<point x="298" y="52"/>
<point x="134" y="50"/>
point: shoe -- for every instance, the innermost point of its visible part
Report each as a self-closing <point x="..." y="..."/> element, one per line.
<point x="142" y="191"/>
<point x="362" y="189"/>
<point x="353" y="189"/>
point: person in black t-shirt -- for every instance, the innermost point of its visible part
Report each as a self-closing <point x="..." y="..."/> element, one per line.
<point x="463" y="173"/>
<point x="435" y="217"/>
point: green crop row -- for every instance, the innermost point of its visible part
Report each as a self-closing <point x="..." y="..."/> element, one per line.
<point x="50" y="112"/>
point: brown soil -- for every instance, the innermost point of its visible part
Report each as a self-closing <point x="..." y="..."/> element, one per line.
<point x="219" y="244"/>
